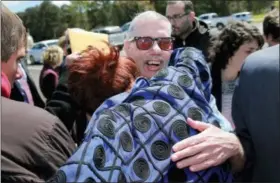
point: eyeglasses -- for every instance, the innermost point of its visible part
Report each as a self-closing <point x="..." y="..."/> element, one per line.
<point x="145" y="43"/>
<point x="176" y="17"/>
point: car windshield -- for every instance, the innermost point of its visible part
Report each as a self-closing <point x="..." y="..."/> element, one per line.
<point x="125" y="27"/>
<point x="204" y="17"/>
<point x="52" y="43"/>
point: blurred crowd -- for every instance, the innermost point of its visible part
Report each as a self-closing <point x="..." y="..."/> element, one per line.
<point x="183" y="104"/>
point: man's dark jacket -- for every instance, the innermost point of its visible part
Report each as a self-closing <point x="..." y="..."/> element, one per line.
<point x="199" y="38"/>
<point x="255" y="112"/>
<point x="34" y="143"/>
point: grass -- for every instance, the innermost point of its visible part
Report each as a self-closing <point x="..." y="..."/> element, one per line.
<point x="257" y="18"/>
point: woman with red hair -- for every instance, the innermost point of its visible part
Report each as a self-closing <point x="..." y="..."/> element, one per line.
<point x="95" y="76"/>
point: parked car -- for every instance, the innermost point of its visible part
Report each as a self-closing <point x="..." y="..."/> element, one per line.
<point x="36" y="52"/>
<point x="116" y="36"/>
<point x="125" y="26"/>
<point x="213" y="20"/>
<point x="242" y="16"/>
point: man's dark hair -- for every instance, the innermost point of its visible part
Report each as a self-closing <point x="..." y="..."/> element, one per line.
<point x="188" y="5"/>
<point x="271" y="25"/>
<point x="13" y="33"/>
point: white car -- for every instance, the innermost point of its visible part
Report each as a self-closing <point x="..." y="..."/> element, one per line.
<point x="212" y="20"/>
<point x="242" y="16"/>
<point x="36" y="52"/>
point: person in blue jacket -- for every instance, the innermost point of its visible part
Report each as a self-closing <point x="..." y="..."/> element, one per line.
<point x="130" y="136"/>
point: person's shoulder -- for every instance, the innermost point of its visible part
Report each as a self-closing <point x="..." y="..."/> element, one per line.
<point x="50" y="76"/>
<point x="264" y="58"/>
<point x="49" y="72"/>
<point x="32" y="124"/>
<point x="202" y="27"/>
<point x="193" y="54"/>
<point x="26" y="114"/>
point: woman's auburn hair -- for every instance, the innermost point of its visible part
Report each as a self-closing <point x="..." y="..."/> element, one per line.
<point x="96" y="76"/>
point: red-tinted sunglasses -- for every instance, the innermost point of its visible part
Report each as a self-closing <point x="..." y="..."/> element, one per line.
<point x="145" y="43"/>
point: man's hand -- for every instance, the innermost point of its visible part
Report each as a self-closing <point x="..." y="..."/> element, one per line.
<point x="209" y="148"/>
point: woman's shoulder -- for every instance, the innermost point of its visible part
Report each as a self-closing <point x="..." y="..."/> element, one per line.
<point x="48" y="72"/>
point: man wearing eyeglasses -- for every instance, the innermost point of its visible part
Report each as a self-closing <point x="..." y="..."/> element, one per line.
<point x="187" y="30"/>
<point x="149" y="42"/>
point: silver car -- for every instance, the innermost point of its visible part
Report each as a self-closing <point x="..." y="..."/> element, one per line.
<point x="115" y="35"/>
<point x="36" y="52"/>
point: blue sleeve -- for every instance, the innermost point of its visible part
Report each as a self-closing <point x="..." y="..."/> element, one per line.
<point x="132" y="141"/>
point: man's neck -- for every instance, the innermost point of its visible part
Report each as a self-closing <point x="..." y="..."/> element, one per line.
<point x="273" y="43"/>
<point x="187" y="33"/>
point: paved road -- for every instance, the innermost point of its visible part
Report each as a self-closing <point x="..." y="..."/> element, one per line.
<point x="35" y="69"/>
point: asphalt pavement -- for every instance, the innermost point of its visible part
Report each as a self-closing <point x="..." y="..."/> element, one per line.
<point x="36" y="69"/>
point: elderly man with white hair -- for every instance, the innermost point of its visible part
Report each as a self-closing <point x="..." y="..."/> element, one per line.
<point x="130" y="136"/>
<point x="140" y="45"/>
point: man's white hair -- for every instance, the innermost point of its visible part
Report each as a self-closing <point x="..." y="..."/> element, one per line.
<point x="144" y="16"/>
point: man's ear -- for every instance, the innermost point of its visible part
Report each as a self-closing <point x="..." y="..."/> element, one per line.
<point x="192" y="15"/>
<point x="126" y="46"/>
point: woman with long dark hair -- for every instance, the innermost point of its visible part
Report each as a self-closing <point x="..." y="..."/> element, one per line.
<point x="227" y="53"/>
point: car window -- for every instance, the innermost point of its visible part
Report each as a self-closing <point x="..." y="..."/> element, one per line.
<point x="42" y="46"/>
<point x="38" y="46"/>
<point x="52" y="43"/>
<point x="215" y="16"/>
<point x="204" y="17"/>
<point x="104" y="32"/>
<point x="125" y="27"/>
<point x="35" y="46"/>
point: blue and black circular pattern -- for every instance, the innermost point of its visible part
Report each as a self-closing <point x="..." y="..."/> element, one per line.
<point x="132" y="141"/>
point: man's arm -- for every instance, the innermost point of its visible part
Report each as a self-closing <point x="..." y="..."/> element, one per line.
<point x="237" y="161"/>
<point x="238" y="115"/>
<point x="57" y="147"/>
<point x="62" y="105"/>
